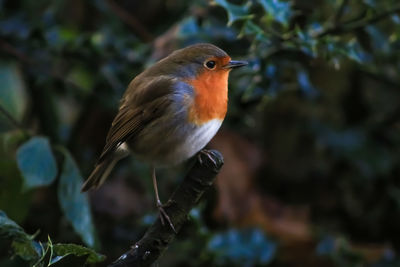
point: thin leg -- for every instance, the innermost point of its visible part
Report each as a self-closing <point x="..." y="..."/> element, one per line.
<point x="163" y="215"/>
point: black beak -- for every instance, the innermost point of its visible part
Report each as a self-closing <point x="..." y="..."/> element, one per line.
<point x="235" y="64"/>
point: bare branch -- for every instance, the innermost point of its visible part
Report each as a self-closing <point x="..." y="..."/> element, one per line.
<point x="354" y="26"/>
<point x="157" y="238"/>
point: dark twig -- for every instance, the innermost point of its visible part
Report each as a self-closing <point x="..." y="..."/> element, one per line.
<point x="354" y="26"/>
<point x="11" y="118"/>
<point x="340" y="11"/>
<point x="157" y="238"/>
<point x="139" y="29"/>
<point x="9" y="49"/>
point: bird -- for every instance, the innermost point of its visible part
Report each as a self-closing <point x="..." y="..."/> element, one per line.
<point x="168" y="113"/>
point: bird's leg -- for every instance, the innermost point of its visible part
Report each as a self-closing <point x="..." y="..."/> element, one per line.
<point x="163" y="215"/>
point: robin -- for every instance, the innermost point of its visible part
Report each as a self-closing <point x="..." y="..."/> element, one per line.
<point x="169" y="112"/>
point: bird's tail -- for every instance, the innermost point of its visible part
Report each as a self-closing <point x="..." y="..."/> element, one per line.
<point x="99" y="174"/>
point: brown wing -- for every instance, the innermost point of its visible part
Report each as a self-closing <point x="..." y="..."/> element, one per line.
<point x="139" y="107"/>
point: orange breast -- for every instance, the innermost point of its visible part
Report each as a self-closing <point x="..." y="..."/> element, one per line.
<point x="211" y="96"/>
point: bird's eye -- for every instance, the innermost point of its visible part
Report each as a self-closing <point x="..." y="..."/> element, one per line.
<point x="210" y="64"/>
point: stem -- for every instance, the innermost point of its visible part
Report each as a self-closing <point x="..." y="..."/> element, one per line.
<point x="354" y="26"/>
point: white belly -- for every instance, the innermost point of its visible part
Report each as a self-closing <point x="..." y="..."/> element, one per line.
<point x="172" y="145"/>
<point x="197" y="140"/>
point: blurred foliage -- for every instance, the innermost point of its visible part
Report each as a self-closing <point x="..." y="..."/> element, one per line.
<point x="42" y="254"/>
<point x="318" y="108"/>
<point x="243" y="248"/>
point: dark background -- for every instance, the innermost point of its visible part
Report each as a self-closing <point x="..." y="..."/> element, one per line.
<point x="311" y="141"/>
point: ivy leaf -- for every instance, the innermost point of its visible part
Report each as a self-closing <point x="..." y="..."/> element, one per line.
<point x="63" y="250"/>
<point x="22" y="243"/>
<point x="235" y="12"/>
<point x="13" y="96"/>
<point x="250" y="28"/>
<point x="42" y="254"/>
<point x="36" y="163"/>
<point x="278" y="10"/>
<point x="10" y="229"/>
<point x="74" y="204"/>
<point x="355" y="52"/>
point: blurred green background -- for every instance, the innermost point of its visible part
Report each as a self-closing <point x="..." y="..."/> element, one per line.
<point x="311" y="141"/>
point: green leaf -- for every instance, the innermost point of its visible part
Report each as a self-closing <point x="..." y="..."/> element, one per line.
<point x="235" y="12"/>
<point x="278" y="10"/>
<point x="63" y="250"/>
<point x="36" y="162"/>
<point x="355" y="52"/>
<point x="41" y="254"/>
<point x="75" y="204"/>
<point x="82" y="78"/>
<point x="22" y="243"/>
<point x="9" y="229"/>
<point x="250" y="28"/>
<point x="13" y="96"/>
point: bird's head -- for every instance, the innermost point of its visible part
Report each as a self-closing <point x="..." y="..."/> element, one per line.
<point x="195" y="60"/>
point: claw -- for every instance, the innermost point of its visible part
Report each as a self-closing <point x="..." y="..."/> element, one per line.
<point x="164" y="216"/>
<point x="206" y="153"/>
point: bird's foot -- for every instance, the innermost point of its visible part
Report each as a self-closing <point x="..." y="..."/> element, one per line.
<point x="164" y="216"/>
<point x="206" y="153"/>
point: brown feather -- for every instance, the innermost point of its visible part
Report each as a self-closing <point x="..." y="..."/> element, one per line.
<point x="139" y="107"/>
